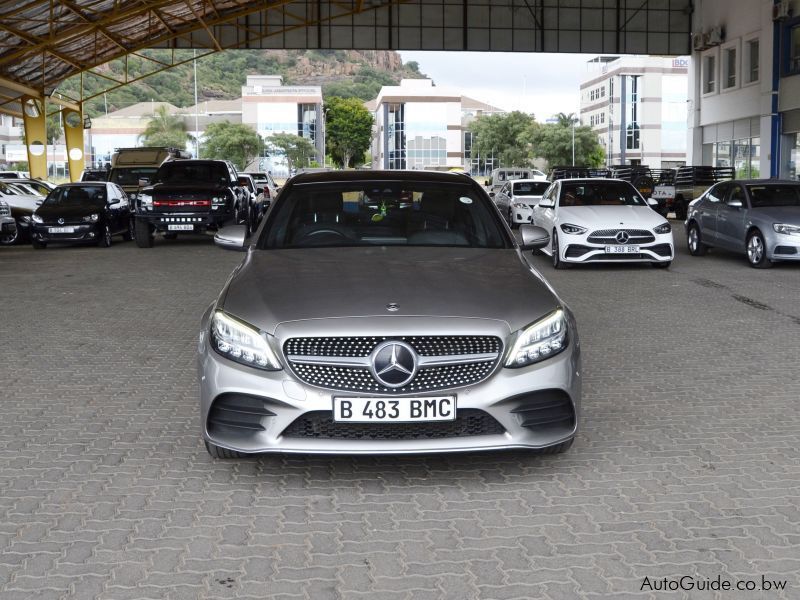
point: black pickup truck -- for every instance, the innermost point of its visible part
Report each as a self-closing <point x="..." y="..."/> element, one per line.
<point x="189" y="196"/>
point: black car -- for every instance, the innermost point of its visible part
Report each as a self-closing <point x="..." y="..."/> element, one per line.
<point x="82" y="212"/>
<point x="189" y="196"/>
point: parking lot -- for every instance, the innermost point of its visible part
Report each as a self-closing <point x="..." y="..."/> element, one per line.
<point x="686" y="464"/>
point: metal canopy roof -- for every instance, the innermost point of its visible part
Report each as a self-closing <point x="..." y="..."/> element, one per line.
<point x="43" y="42"/>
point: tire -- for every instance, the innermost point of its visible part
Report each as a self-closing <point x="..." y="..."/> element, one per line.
<point x="695" y="242"/>
<point x="757" y="251"/>
<point x="39" y="245"/>
<point x="130" y="233"/>
<point x="680" y="208"/>
<point x="558" y="448"/>
<point x="105" y="237"/>
<point x="9" y="239"/>
<point x="661" y="265"/>
<point x="557" y="262"/>
<point x="143" y="235"/>
<point x="217" y="452"/>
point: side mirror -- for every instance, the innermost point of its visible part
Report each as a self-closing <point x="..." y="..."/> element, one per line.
<point x="545" y="204"/>
<point x="652" y="202"/>
<point x="113" y="201"/>
<point x="231" y="237"/>
<point x="143" y="181"/>
<point x="735" y="204"/>
<point x="533" y="237"/>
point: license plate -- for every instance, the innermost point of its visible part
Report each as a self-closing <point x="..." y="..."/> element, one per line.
<point x="622" y="249"/>
<point x="61" y="230"/>
<point x="394" y="410"/>
<point x="180" y="227"/>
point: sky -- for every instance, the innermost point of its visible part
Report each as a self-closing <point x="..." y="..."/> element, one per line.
<point x="542" y="84"/>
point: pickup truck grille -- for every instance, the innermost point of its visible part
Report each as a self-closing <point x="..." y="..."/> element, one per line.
<point x="345" y="363"/>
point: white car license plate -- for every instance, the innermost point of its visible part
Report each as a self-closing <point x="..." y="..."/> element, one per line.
<point x="622" y="249"/>
<point x="394" y="410"/>
<point x="180" y="227"/>
<point x="61" y="230"/>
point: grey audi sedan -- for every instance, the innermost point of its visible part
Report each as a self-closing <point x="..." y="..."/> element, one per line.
<point x="383" y="312"/>
<point x="758" y="217"/>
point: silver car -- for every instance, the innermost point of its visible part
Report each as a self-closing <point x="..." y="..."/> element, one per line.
<point x="759" y="218"/>
<point x="386" y="312"/>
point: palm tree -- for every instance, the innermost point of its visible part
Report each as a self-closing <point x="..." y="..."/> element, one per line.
<point x="165" y="129"/>
<point x="566" y="120"/>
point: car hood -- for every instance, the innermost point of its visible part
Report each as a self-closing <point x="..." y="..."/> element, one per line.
<point x="275" y="286"/>
<point x="778" y="214"/>
<point x="611" y="217"/>
<point x="23" y="202"/>
<point x="55" y="210"/>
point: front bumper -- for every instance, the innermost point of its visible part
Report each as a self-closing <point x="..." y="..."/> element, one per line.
<point x="511" y="398"/>
<point x="521" y="215"/>
<point x="200" y="221"/>
<point x="783" y="247"/>
<point x="578" y="249"/>
<point x="7" y="225"/>
<point x="81" y="233"/>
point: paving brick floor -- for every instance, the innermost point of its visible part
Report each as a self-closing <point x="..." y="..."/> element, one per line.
<point x="687" y="462"/>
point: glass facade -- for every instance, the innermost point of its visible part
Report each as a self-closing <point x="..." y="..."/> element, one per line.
<point x="426" y="134"/>
<point x="475" y="163"/>
<point x="632" y="111"/>
<point x="742" y="154"/>
<point x="395" y="136"/>
<point x="307" y="121"/>
<point x="673" y="114"/>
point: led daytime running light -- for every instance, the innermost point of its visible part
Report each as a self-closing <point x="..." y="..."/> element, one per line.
<point x="242" y="343"/>
<point x="539" y="341"/>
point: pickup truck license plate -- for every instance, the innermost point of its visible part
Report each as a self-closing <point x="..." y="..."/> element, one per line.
<point x="61" y="229"/>
<point x="622" y="249"/>
<point x="394" y="410"/>
<point x="180" y="227"/>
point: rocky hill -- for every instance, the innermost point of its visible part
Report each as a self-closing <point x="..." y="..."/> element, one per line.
<point x="348" y="73"/>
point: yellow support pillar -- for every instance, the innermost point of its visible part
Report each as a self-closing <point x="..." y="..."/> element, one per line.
<point x="33" y="118"/>
<point x="73" y="132"/>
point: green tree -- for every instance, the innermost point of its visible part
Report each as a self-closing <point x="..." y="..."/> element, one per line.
<point x="232" y="141"/>
<point x="553" y="142"/>
<point x="507" y="137"/>
<point x="165" y="129"/>
<point x="348" y="128"/>
<point x="298" y="150"/>
<point x="566" y="120"/>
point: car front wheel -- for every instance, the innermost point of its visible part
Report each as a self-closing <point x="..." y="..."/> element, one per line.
<point x="105" y="237"/>
<point x="757" y="251"/>
<point x="696" y="246"/>
<point x="557" y="262"/>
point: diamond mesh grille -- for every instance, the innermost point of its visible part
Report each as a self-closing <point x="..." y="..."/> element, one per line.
<point x="362" y="346"/>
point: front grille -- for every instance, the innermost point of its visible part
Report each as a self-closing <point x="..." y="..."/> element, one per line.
<point x="320" y="425"/>
<point x="5" y="211"/>
<point x="426" y="345"/>
<point x="470" y="359"/>
<point x="608" y="236"/>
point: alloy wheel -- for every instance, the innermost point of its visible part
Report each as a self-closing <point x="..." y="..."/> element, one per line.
<point x="755" y="249"/>
<point x="693" y="239"/>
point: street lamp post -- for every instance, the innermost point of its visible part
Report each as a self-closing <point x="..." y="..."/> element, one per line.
<point x="573" y="142"/>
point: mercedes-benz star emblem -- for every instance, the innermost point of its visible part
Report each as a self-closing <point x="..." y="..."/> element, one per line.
<point x="393" y="307"/>
<point x="394" y="364"/>
<point x="61" y="221"/>
<point x="622" y="237"/>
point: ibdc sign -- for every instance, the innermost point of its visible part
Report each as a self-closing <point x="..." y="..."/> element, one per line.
<point x="681" y="62"/>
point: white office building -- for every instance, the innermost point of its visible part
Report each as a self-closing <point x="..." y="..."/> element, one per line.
<point x="637" y="105"/>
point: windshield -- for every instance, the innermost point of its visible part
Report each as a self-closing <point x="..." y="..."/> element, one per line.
<point x="131" y="177"/>
<point x="600" y="193"/>
<point x="77" y="196"/>
<point x="381" y="213"/>
<point x="184" y="171"/>
<point x="762" y="196"/>
<point x="531" y="188"/>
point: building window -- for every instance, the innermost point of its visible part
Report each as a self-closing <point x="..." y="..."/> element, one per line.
<point x="395" y="136"/>
<point x="729" y="68"/>
<point x="792" y="65"/>
<point x="307" y="121"/>
<point x="632" y="129"/>
<point x="603" y="92"/>
<point x="752" y="58"/>
<point x="709" y="74"/>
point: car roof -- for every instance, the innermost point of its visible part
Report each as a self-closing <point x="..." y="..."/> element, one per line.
<point x="377" y="175"/>
<point x="85" y="183"/>
<point x="592" y="180"/>
<point x="764" y="181"/>
<point x="539" y="180"/>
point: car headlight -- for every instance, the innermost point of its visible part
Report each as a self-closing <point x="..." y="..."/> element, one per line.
<point x="145" y="201"/>
<point x="36" y="218"/>
<point x="92" y="218"/>
<point x="573" y="229"/>
<point x="242" y="343"/>
<point x="520" y="205"/>
<point x="132" y="196"/>
<point x="663" y="228"/>
<point x="539" y="341"/>
<point x="786" y="229"/>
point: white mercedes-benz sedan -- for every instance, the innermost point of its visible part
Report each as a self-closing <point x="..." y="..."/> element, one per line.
<point x="602" y="220"/>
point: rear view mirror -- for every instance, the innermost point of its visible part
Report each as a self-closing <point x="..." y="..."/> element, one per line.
<point x="533" y="237"/>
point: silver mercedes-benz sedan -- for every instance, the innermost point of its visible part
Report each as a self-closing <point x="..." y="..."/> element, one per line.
<point x="381" y="312"/>
<point x="757" y="217"/>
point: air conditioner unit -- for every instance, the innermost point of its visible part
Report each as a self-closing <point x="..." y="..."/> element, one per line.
<point x="699" y="41"/>
<point x="716" y="36"/>
<point x="781" y="10"/>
